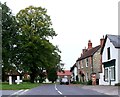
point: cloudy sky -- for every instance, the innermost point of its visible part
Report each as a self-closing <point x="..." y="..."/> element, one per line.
<point x="76" y="22"/>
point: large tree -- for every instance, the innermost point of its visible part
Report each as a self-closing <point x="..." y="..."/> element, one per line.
<point x="9" y="30"/>
<point x="52" y="74"/>
<point x="34" y="50"/>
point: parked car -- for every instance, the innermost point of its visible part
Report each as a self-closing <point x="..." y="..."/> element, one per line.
<point x="64" y="81"/>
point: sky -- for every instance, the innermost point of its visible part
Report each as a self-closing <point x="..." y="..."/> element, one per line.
<point x="75" y="22"/>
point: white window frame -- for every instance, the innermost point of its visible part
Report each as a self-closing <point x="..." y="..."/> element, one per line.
<point x="112" y="79"/>
<point x="106" y="68"/>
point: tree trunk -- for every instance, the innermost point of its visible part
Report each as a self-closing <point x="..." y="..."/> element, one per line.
<point x="3" y="75"/>
<point x="41" y="75"/>
<point x="32" y="77"/>
<point x="52" y="81"/>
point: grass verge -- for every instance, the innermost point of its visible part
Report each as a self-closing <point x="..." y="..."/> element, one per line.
<point x="24" y="85"/>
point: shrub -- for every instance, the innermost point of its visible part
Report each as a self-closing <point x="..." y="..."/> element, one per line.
<point x="26" y="80"/>
<point x="77" y="82"/>
<point x="118" y="84"/>
<point x="89" y="82"/>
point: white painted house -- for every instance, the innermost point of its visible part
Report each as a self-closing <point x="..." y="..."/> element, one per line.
<point x="74" y="75"/>
<point x="110" y="51"/>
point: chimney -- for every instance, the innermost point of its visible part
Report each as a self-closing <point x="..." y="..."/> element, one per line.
<point x="102" y="41"/>
<point x="81" y="54"/>
<point x="89" y="44"/>
<point x="84" y="50"/>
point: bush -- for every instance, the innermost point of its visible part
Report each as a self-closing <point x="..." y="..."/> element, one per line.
<point x="118" y="84"/>
<point x="77" y="82"/>
<point x="89" y="82"/>
<point x="26" y="80"/>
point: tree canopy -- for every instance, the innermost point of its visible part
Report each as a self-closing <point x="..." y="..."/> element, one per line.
<point x="36" y="52"/>
<point x="9" y="30"/>
<point x="26" y="41"/>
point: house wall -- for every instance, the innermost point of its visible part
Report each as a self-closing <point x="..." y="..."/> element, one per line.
<point x="75" y="73"/>
<point x="86" y="70"/>
<point x="114" y="55"/>
<point x="72" y="76"/>
<point x="118" y="65"/>
<point x="78" y="70"/>
<point x="97" y="63"/>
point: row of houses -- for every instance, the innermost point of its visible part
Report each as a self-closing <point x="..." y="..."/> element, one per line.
<point x="103" y="61"/>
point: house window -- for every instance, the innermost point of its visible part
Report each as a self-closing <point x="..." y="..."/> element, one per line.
<point x="87" y="62"/>
<point x="112" y="73"/>
<point x="108" y="52"/>
<point x="106" y="74"/>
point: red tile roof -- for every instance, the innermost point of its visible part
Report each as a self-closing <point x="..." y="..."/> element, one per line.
<point x="65" y="73"/>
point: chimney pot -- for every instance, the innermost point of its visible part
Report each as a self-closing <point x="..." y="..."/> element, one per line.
<point x="84" y="50"/>
<point x="89" y="44"/>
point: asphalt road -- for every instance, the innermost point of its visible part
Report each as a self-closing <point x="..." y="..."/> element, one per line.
<point x="54" y="90"/>
<point x="75" y="90"/>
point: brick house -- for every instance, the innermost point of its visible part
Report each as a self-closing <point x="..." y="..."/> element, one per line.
<point x="90" y="62"/>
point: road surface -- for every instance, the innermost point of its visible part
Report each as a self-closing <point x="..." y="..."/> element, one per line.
<point x="54" y="90"/>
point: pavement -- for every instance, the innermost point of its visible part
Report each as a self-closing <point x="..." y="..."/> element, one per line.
<point x="108" y="90"/>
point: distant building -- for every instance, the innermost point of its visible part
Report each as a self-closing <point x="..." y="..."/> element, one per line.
<point x="90" y="62"/>
<point x="13" y="74"/>
<point x="65" y="73"/>
<point x="110" y="51"/>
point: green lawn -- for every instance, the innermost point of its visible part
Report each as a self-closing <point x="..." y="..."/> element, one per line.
<point x="25" y="85"/>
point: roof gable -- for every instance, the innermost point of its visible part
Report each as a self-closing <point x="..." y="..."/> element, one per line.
<point x="114" y="39"/>
<point x="90" y="52"/>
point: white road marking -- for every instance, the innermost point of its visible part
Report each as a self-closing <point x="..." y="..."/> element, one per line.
<point x="20" y="92"/>
<point x="24" y="92"/>
<point x="58" y="90"/>
<point x="55" y="87"/>
<point x="17" y="92"/>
